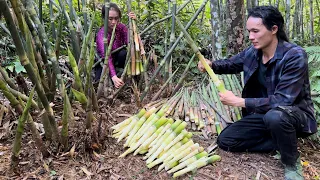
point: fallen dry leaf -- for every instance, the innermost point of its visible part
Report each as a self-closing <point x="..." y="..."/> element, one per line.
<point x="96" y="154"/>
<point x="46" y="167"/>
<point x="72" y="151"/>
<point x="86" y="171"/>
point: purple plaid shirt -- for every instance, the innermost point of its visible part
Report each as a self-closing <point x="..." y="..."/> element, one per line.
<point x="287" y="80"/>
<point x="121" y="38"/>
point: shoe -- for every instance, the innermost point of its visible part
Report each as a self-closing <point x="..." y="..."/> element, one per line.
<point x="277" y="156"/>
<point x="294" y="172"/>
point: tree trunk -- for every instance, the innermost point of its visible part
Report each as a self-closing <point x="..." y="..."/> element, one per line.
<point x="288" y="4"/>
<point x="216" y="42"/>
<point x="301" y="20"/>
<point x="296" y="20"/>
<point x="318" y="8"/>
<point x="311" y="21"/>
<point x="248" y="4"/>
<point x="235" y="28"/>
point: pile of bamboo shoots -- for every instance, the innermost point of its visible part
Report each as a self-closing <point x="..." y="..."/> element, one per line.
<point x="163" y="140"/>
<point x="201" y="107"/>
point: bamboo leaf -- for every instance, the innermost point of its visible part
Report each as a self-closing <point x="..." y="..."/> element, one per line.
<point x="80" y="96"/>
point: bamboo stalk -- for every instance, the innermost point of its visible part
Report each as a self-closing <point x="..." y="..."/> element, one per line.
<point x="186" y="106"/>
<point x="25" y="62"/>
<point x="171" y="50"/>
<point x="105" y="69"/>
<point x="41" y="56"/>
<point x="167" y="30"/>
<point x="7" y="79"/>
<point x="83" y="52"/>
<point x="116" y="92"/>
<point x="40" y="10"/>
<point x="85" y="18"/>
<point x="64" y="130"/>
<point x="77" y="79"/>
<point x="172" y="38"/>
<point x="106" y="20"/>
<point x="49" y="49"/>
<point x="234" y="90"/>
<point x="145" y="63"/>
<point x="215" y="79"/>
<point x="74" y="39"/>
<point x="163" y="19"/>
<point x="19" y="131"/>
<point x="58" y="38"/>
<point x="23" y="97"/>
<point x="53" y="29"/>
<point x="183" y="76"/>
<point x="89" y="115"/>
<point x="156" y="96"/>
<point x="112" y="52"/>
<point x="220" y="107"/>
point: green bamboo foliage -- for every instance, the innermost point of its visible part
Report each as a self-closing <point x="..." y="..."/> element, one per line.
<point x="73" y="35"/>
<point x="26" y="63"/>
<point x="19" y="131"/>
<point x="168" y="55"/>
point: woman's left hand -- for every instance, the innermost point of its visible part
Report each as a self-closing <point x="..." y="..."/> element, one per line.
<point x="132" y="15"/>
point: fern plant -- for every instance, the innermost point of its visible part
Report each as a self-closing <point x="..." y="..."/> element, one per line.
<point x="314" y="73"/>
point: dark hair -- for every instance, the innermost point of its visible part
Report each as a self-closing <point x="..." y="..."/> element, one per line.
<point x="114" y="7"/>
<point x="270" y="16"/>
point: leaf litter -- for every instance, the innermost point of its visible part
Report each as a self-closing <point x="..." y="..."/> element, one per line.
<point x="79" y="163"/>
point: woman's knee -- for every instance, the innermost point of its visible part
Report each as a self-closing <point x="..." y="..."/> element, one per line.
<point x="121" y="57"/>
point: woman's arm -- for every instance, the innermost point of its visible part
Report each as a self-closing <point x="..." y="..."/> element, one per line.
<point x="99" y="43"/>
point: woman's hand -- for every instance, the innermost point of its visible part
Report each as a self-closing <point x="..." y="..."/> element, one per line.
<point x="201" y="67"/>
<point x="132" y="15"/>
<point x="117" y="81"/>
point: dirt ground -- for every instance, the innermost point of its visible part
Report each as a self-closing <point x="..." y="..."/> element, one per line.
<point x="107" y="165"/>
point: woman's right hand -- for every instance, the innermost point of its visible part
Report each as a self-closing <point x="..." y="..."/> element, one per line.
<point x="117" y="81"/>
<point x="132" y="15"/>
<point x="201" y="67"/>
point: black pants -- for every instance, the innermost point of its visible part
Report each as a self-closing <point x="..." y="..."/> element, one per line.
<point x="278" y="129"/>
<point x="119" y="60"/>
